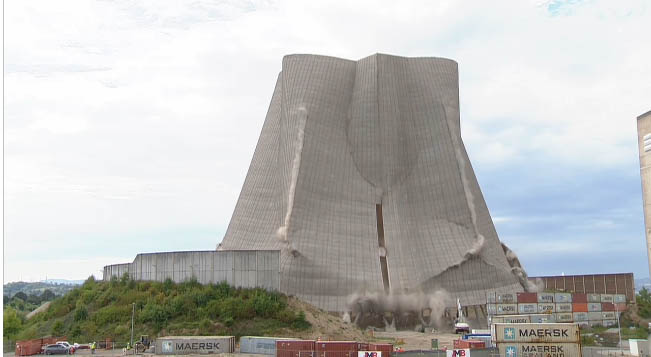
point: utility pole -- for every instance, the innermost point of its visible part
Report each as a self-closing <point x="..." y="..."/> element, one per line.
<point x="133" y="312"/>
<point x="619" y="327"/>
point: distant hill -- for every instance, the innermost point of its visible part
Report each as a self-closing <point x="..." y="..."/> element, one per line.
<point x="642" y="283"/>
<point x="37" y="288"/>
<point x="62" y="281"/>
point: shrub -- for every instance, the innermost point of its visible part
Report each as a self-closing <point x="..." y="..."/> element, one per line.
<point x="12" y="322"/>
<point x="300" y="323"/>
<point x="58" y="328"/>
<point x="81" y="313"/>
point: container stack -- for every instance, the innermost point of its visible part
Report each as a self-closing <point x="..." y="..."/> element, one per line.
<point x="299" y="348"/>
<point x="560" y="339"/>
<point x="584" y="309"/>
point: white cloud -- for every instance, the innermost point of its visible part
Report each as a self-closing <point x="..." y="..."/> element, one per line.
<point x="124" y="116"/>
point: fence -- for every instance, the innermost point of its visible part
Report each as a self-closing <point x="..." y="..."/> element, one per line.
<point x="604" y="351"/>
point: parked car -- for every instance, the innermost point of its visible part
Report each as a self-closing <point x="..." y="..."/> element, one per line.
<point x="55" y="349"/>
<point x="69" y="347"/>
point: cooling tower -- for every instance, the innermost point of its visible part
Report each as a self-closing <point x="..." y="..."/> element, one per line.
<point x="361" y="179"/>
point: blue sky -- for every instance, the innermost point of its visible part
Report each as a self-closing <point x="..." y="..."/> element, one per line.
<point x="129" y="125"/>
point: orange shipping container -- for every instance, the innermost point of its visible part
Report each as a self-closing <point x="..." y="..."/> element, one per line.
<point x="607" y="306"/>
<point x="385" y="348"/>
<point x="579" y="307"/>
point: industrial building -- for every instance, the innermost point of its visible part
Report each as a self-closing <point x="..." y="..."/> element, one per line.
<point x="361" y="183"/>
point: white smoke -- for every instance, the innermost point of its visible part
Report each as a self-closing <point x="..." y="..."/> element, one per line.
<point x="346" y="317"/>
<point x="400" y="303"/>
<point x="282" y="232"/>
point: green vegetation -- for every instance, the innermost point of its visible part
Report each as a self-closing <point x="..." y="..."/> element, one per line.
<point x="26" y="303"/>
<point x="643" y="300"/>
<point x="99" y="310"/>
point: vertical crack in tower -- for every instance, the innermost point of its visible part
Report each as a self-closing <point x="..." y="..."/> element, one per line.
<point x="382" y="249"/>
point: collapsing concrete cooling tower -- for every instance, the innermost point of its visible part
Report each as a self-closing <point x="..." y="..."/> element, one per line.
<point x="362" y="181"/>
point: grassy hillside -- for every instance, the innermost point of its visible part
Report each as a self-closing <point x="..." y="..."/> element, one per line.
<point x="97" y="310"/>
<point x="37" y="288"/>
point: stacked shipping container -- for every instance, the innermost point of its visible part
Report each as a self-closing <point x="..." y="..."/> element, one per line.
<point x="588" y="309"/>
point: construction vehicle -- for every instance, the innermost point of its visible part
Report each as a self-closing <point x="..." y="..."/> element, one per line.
<point x="142" y="345"/>
<point x="460" y="324"/>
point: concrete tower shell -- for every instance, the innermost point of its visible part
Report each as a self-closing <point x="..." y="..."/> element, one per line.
<point x="361" y="178"/>
<point x="644" y="146"/>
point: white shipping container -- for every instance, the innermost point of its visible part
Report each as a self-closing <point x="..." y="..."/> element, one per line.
<point x="491" y="309"/>
<point x="563" y="317"/>
<point x="580" y="316"/>
<point x="542" y="318"/>
<point x="552" y="332"/>
<point x="491" y="298"/>
<point x="545" y="307"/>
<point x="619" y="298"/>
<point x="609" y="323"/>
<point x="508" y="298"/>
<point x="608" y="315"/>
<point x="565" y="307"/>
<point x="636" y="345"/>
<point x="457" y="353"/>
<point x="594" y="298"/>
<point x="507" y="309"/>
<point x="528" y="308"/>
<point x="607" y="298"/>
<point x="259" y="345"/>
<point x="594" y="306"/>
<point x="595" y="316"/>
<point x="545" y="297"/>
<point x="562" y="297"/>
<point x="539" y="349"/>
<point x="596" y="323"/>
<point x="511" y="319"/>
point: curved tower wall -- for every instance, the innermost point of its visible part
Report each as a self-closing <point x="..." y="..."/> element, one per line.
<point x="361" y="178"/>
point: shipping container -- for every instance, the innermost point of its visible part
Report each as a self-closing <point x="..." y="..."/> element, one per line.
<point x="363" y="346"/>
<point x="580" y="298"/>
<point x="595" y="316"/>
<point x="562" y="298"/>
<point x="506" y="298"/>
<point x="545" y="297"/>
<point x="619" y="299"/>
<point x="295" y="348"/>
<point x="491" y="309"/>
<point x="527" y="298"/>
<point x="607" y="298"/>
<point x="184" y="345"/>
<point x="579" y="307"/>
<point x="594" y="298"/>
<point x="636" y="345"/>
<point x="609" y="323"/>
<point x="607" y="306"/>
<point x="491" y="298"/>
<point x="336" y="349"/>
<point x="594" y="306"/>
<point x="556" y="332"/>
<point x="259" y="345"/>
<point x="539" y="349"/>
<point x="596" y="323"/>
<point x="511" y="319"/>
<point x="468" y="344"/>
<point x="564" y="307"/>
<point x="608" y="315"/>
<point x="621" y="307"/>
<point x="582" y="324"/>
<point x="563" y="317"/>
<point x="385" y="348"/>
<point x="528" y="308"/>
<point x="28" y="348"/>
<point x="580" y="316"/>
<point x="507" y="309"/>
<point x="542" y="318"/>
<point x="544" y="307"/>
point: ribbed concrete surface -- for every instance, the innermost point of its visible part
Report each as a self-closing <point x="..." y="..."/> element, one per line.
<point x="363" y="159"/>
<point x="246" y="269"/>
